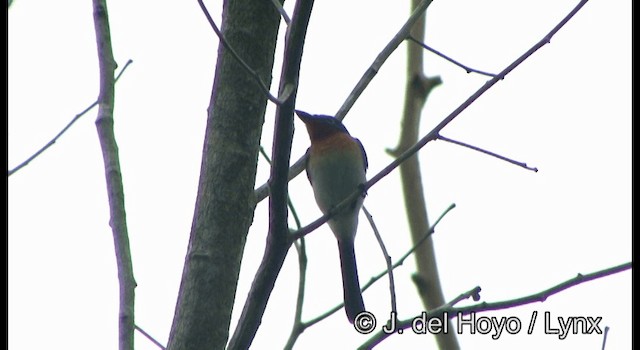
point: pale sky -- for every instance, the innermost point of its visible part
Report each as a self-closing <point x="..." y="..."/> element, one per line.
<point x="566" y="111"/>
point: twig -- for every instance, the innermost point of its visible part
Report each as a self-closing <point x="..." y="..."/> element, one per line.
<point x="292" y="208"/>
<point x="264" y="154"/>
<point x="113" y="175"/>
<point x="298" y="328"/>
<point x="466" y="68"/>
<point x="152" y="339"/>
<point x="542" y="296"/>
<point x="55" y="138"/>
<point x="324" y="218"/>
<point x="235" y="55"/>
<point x="301" y="249"/>
<point x="401" y="260"/>
<point x="604" y="337"/>
<point x="263" y="191"/>
<point x="377" y="277"/>
<point x="473" y="293"/>
<point x="460" y="143"/>
<point x="387" y="260"/>
<point x="281" y="11"/>
<point x="433" y="134"/>
<point x="381" y="58"/>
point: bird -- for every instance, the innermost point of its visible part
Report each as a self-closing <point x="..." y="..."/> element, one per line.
<point x="336" y="166"/>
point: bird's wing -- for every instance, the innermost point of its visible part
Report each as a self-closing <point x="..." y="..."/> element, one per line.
<point x="306" y="165"/>
<point x="364" y="154"/>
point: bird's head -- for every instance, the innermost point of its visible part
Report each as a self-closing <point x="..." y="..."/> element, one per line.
<point x="321" y="126"/>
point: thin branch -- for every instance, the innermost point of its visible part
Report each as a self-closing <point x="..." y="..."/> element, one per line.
<point x="151" y="339"/>
<point x="55" y="138"/>
<point x="324" y="218"/>
<point x="473" y="293"/>
<point x="292" y="208"/>
<point x="263" y="191"/>
<point x="460" y="143"/>
<point x="294" y="213"/>
<point x="278" y="235"/>
<point x="264" y="154"/>
<point x="381" y="58"/>
<point x="433" y="134"/>
<point x="383" y="273"/>
<point x="401" y="260"/>
<point x="466" y="68"/>
<point x="542" y="296"/>
<point x="301" y="249"/>
<point x="298" y="327"/>
<point x="113" y="175"/>
<point x="300" y="246"/>
<point x="604" y="337"/>
<point x="281" y="11"/>
<point x="387" y="260"/>
<point x="244" y="65"/>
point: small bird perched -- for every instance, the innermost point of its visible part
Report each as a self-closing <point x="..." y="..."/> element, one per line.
<point x="336" y="167"/>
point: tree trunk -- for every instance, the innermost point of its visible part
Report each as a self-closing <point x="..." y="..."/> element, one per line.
<point x="225" y="201"/>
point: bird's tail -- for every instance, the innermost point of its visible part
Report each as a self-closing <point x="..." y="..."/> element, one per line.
<point x="353" y="303"/>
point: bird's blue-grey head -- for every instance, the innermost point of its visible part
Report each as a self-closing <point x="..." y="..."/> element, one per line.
<point x="320" y="126"/>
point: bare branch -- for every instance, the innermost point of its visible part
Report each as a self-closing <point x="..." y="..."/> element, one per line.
<point x="466" y="68"/>
<point x="281" y="11"/>
<point x="542" y="296"/>
<point x="387" y="259"/>
<point x="324" y="218"/>
<point x="55" y="138"/>
<point x="377" y="277"/>
<point x="300" y="245"/>
<point x="298" y="326"/>
<point x="419" y="242"/>
<point x="381" y="58"/>
<point x="473" y="293"/>
<point x="459" y="143"/>
<point x="433" y="134"/>
<point x="115" y="191"/>
<point x="417" y="90"/>
<point x="235" y="55"/>
<point x="604" y="337"/>
<point x="151" y="339"/>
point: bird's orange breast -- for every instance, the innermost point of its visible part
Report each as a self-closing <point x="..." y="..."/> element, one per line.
<point x="335" y="144"/>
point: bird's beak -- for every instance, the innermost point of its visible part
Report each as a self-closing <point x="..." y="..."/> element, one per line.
<point x="304" y="116"/>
